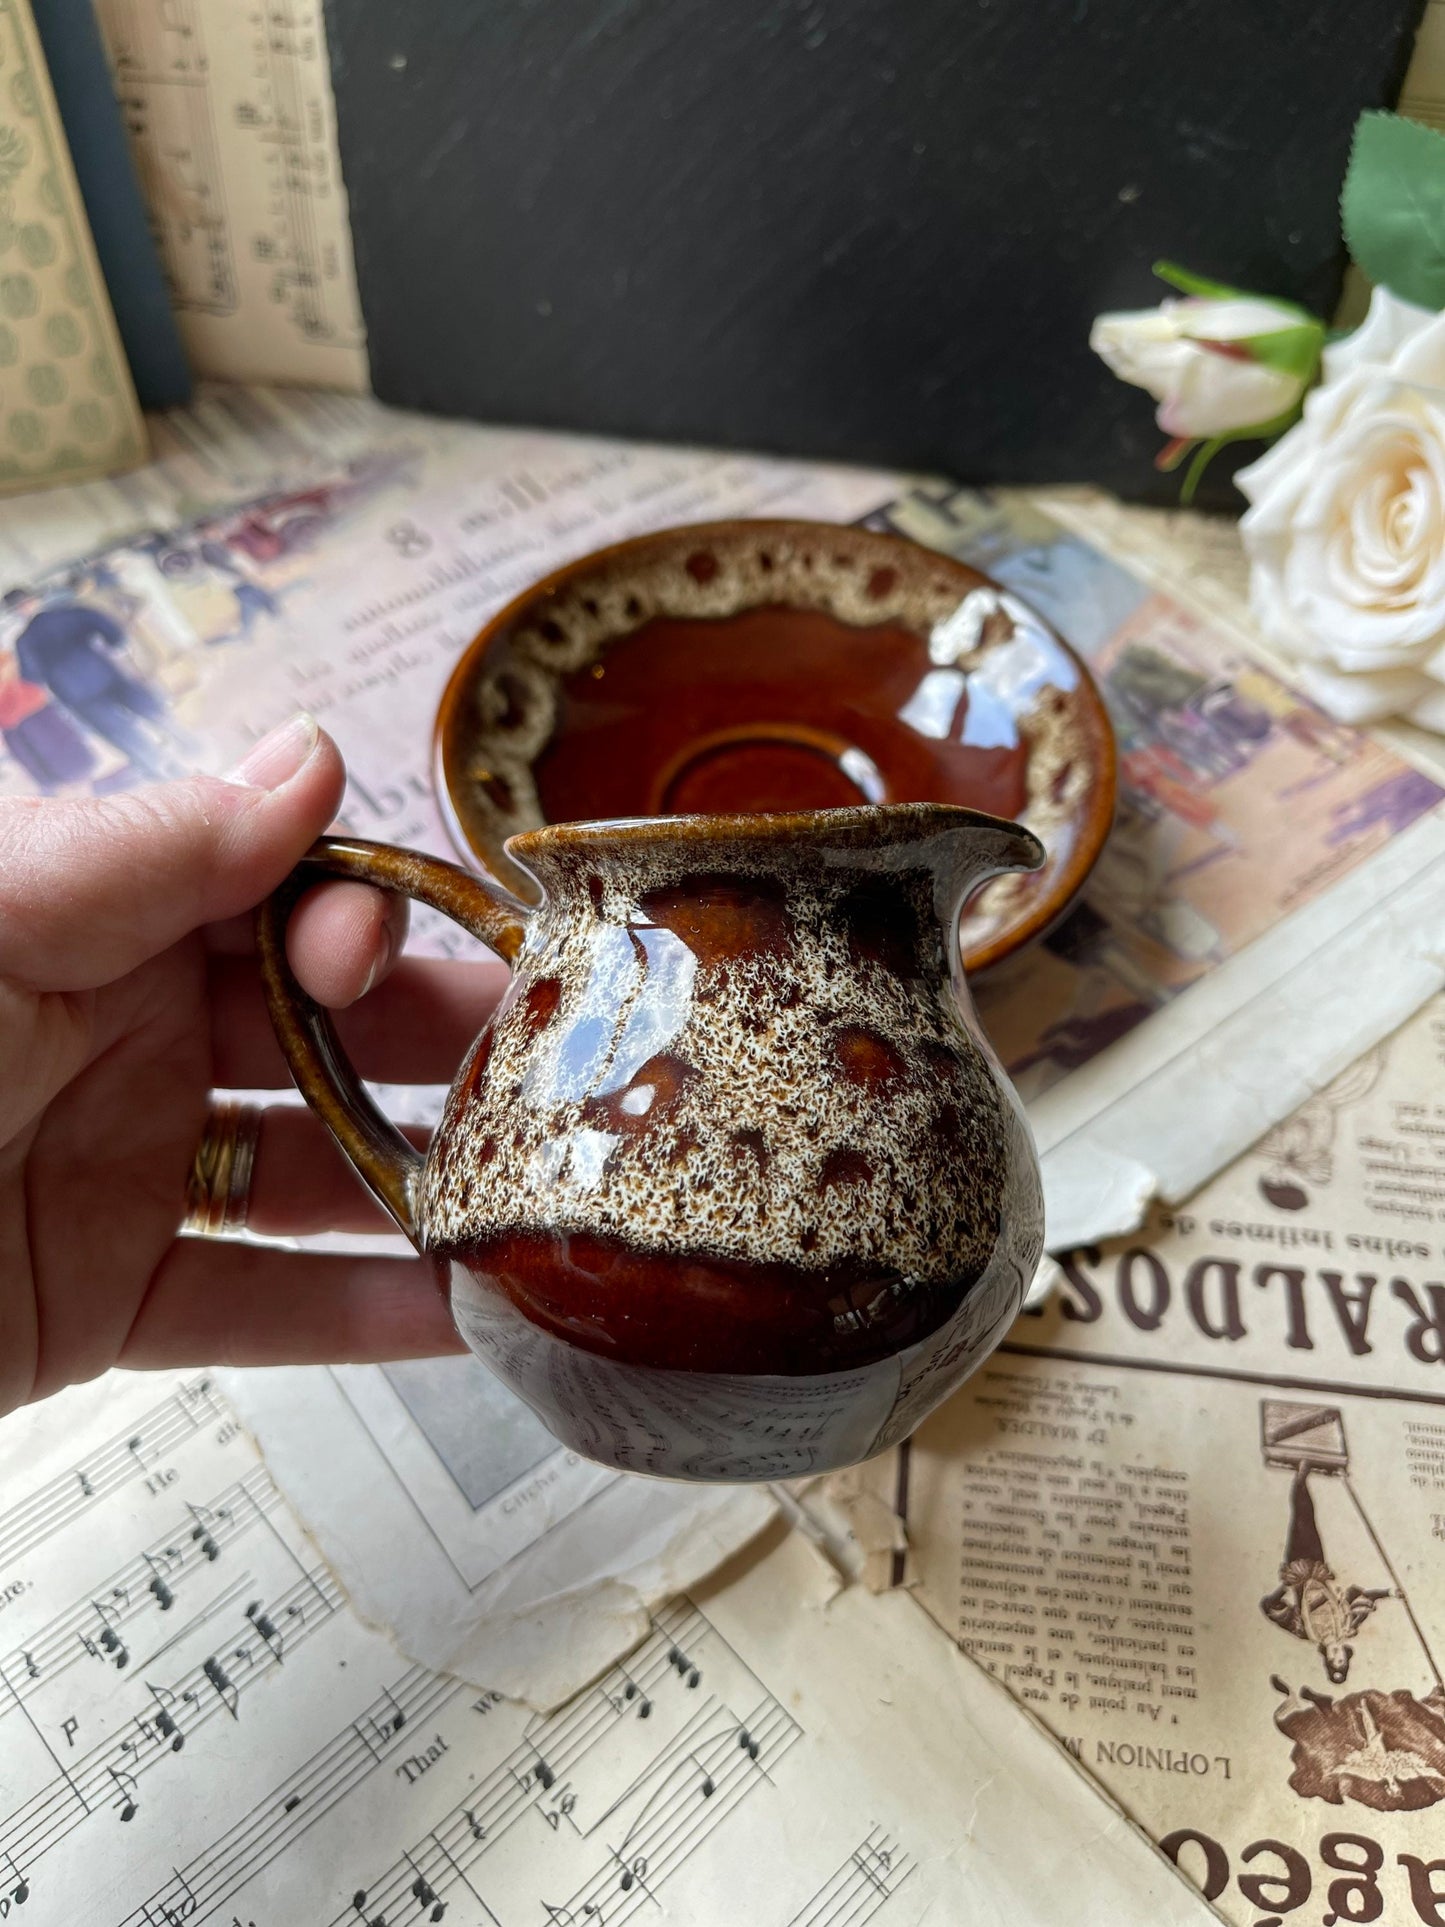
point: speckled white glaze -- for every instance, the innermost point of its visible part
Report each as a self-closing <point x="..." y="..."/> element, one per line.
<point x="736" y="1061"/>
<point x="792" y="1101"/>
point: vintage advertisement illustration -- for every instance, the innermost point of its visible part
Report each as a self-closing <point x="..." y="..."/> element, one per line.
<point x="1193" y="1513"/>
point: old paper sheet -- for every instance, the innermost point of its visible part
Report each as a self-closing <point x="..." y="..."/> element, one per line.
<point x="1193" y="1515"/>
<point x="232" y="126"/>
<point x="194" y="1727"/>
<point x="453" y="1516"/>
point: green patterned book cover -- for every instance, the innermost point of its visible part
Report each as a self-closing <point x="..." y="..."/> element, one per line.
<point x="67" y="407"/>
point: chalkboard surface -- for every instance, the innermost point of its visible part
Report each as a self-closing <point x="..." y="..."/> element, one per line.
<point x="866" y="229"/>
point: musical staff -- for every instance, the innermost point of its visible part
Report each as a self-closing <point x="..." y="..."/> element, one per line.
<point x="145" y="1585"/>
<point x="870" y="1876"/>
<point x="68" y="1496"/>
<point x="109" y="1773"/>
<point x="692" y="1798"/>
<point x="206" y="1883"/>
<point x="702" y="1768"/>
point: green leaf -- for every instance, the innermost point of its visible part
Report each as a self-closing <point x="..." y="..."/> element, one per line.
<point x="1294" y="351"/>
<point x="1188" y="282"/>
<point x="1393" y="207"/>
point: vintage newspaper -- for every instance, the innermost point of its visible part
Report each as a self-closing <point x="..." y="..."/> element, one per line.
<point x="1193" y="1514"/>
<point x="195" y="1728"/>
<point x="232" y="126"/>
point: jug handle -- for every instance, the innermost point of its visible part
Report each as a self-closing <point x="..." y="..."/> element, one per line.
<point x="385" y="1161"/>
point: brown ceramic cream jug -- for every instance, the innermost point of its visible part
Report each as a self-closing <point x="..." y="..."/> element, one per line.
<point x="731" y="1187"/>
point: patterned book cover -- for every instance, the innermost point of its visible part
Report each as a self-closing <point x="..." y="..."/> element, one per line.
<point x="67" y="407"/>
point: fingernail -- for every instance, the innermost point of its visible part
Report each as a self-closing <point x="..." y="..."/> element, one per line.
<point x="382" y="960"/>
<point x="277" y="757"/>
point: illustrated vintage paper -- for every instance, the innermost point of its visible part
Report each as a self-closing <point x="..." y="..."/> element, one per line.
<point x="67" y="408"/>
<point x="1193" y="1514"/>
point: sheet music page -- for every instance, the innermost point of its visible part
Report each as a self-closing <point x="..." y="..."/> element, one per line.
<point x="453" y="1516"/>
<point x="232" y="126"/>
<point x="1193" y="1514"/>
<point x="196" y="1728"/>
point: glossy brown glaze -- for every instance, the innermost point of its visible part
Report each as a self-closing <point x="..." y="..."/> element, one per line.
<point x="731" y="1186"/>
<point x="771" y="709"/>
<point x="779" y="665"/>
<point x="692" y="1312"/>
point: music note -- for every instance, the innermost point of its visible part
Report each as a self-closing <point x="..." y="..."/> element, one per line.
<point x="632" y="1691"/>
<point x="177" y="1904"/>
<point x="265" y="1626"/>
<point x="225" y="1687"/>
<point x="543" y="1775"/>
<point x="358" y="1901"/>
<point x="112" y="1646"/>
<point x="683" y="1666"/>
<point x="159" y="1587"/>
<point x="164" y="1720"/>
<point x="128" y="1791"/>
<point x="422" y="1894"/>
<point x="633" y="1874"/>
<point x="748" y="1744"/>
<point x="201" y="1533"/>
<point x="20" y="1892"/>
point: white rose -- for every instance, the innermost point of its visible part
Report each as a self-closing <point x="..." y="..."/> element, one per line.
<point x="1193" y="357"/>
<point x="1346" y="528"/>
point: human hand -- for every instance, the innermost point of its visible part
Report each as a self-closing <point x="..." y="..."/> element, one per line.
<point x="128" y="991"/>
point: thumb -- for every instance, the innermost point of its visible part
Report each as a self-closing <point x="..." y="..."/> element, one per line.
<point x="91" y="887"/>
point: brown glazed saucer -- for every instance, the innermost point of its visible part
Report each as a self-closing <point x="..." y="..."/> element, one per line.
<point x="779" y="666"/>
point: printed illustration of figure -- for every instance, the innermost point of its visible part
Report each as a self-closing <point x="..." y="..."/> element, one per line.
<point x="1300" y="1150"/>
<point x="77" y="653"/>
<point x="1309" y="1601"/>
<point x="252" y="600"/>
<point x="38" y="733"/>
<point x="1385" y="1750"/>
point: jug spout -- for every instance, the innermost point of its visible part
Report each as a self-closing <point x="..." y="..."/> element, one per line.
<point x="981" y="847"/>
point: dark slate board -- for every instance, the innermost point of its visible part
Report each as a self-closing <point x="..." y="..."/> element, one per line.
<point x="867" y="229"/>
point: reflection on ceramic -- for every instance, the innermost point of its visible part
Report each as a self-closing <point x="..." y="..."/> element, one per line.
<point x="731" y="1187"/>
<point x="780" y="666"/>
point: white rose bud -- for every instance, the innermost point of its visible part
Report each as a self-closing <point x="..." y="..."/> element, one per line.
<point x="1214" y="365"/>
